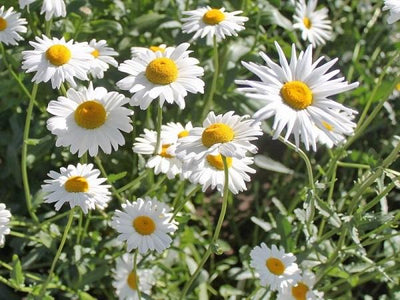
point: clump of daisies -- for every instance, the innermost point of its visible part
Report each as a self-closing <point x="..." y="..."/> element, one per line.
<point x="88" y="119"/>
<point x="302" y="289"/>
<point x="226" y="136"/>
<point x="5" y="216"/>
<point x="167" y="75"/>
<point x="298" y="95"/>
<point x="314" y="24"/>
<point x="11" y="25"/>
<point x="51" y="8"/>
<point x="57" y="60"/>
<point x="79" y="186"/>
<point x="209" y="22"/>
<point x="102" y="58"/>
<point x="145" y="225"/>
<point x="394" y="10"/>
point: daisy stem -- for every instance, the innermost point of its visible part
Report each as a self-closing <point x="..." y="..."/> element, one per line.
<point x="136" y="273"/>
<point x="57" y="256"/>
<point x="210" y="97"/>
<point x="216" y="233"/>
<point x="63" y="89"/>
<point x="133" y="182"/>
<point x="159" y="122"/>
<point x="24" y="171"/>
<point x="104" y="173"/>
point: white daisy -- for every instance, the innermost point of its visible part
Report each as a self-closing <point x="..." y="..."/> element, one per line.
<point x="135" y="51"/>
<point x="57" y="60"/>
<point x="297" y="95"/>
<point x="210" y="22"/>
<point x="23" y="3"/>
<point x="5" y="216"/>
<point x="10" y="26"/>
<point x="165" y="161"/>
<point x="88" y="118"/>
<point x="275" y="267"/>
<point x="176" y="130"/>
<point x="227" y="134"/>
<point x="209" y="172"/>
<point x="80" y="186"/>
<point x="125" y="279"/>
<point x="394" y="10"/>
<point x="168" y="75"/>
<point x="302" y="290"/>
<point x="314" y="24"/>
<point x="103" y="57"/>
<point x="53" y="8"/>
<point x="145" y="225"/>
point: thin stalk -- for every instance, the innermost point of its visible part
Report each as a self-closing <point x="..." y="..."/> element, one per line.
<point x="182" y="204"/>
<point x="352" y="165"/>
<point x="24" y="154"/>
<point x="59" y="250"/>
<point x="24" y="236"/>
<point x="216" y="233"/>
<point x="210" y="97"/>
<point x="136" y="274"/>
<point x="104" y="173"/>
<point x="133" y="182"/>
<point x="159" y="122"/>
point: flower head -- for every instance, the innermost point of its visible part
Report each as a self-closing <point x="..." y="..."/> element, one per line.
<point x="297" y="94"/>
<point x="135" y="51"/>
<point x="102" y="58"/>
<point x="79" y="186"/>
<point x="10" y="26"/>
<point x="53" y="8"/>
<point x="5" y="216"/>
<point x="302" y="289"/>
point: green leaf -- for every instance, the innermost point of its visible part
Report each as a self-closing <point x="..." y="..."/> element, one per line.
<point x="284" y="229"/>
<point x="336" y="272"/>
<point x="17" y="276"/>
<point x="32" y="141"/>
<point x="85" y="296"/>
<point x="114" y="177"/>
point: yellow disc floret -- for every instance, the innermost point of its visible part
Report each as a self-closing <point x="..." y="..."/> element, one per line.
<point x="213" y="17"/>
<point x="164" y="149"/>
<point x="162" y="71"/>
<point x="58" y="55"/>
<point x="156" y="48"/>
<point x="144" y="225"/>
<point x="131" y="280"/>
<point x="183" y="134"/>
<point x="76" y="184"/>
<point x="275" y="266"/>
<point x="90" y="114"/>
<point x="307" y="22"/>
<point x="217" y="133"/>
<point x="95" y="53"/>
<point x="3" y="24"/>
<point x="299" y="291"/>
<point x="216" y="161"/>
<point x="296" y="94"/>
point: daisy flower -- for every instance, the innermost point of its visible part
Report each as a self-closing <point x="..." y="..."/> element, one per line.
<point x="210" y="22"/>
<point x="176" y="130"/>
<point x="57" y="60"/>
<point x="297" y="95"/>
<point x="227" y="134"/>
<point x="10" y="26"/>
<point x="53" y="8"/>
<point x="302" y="290"/>
<point x="209" y="172"/>
<point x="169" y="75"/>
<point x="103" y="57"/>
<point x="165" y="161"/>
<point x="5" y="216"/>
<point x="23" y="3"/>
<point x="80" y="186"/>
<point x="89" y="119"/>
<point x="125" y="279"/>
<point x="314" y="24"/>
<point x="394" y="10"/>
<point x="145" y="225"/>
<point x="135" y="51"/>
<point x="275" y="267"/>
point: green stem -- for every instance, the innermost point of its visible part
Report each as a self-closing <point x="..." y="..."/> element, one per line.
<point x="216" y="233"/>
<point x="353" y="165"/>
<point x="24" y="171"/>
<point x="104" y="173"/>
<point x="60" y="248"/>
<point x="63" y="90"/>
<point x="24" y="236"/>
<point x="182" y="204"/>
<point x="133" y="182"/>
<point x="136" y="274"/>
<point x="159" y="122"/>
<point x="210" y="97"/>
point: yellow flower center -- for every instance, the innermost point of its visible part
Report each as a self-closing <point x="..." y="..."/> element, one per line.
<point x="183" y="134"/>
<point x="296" y="94"/>
<point x="144" y="225"/>
<point x="156" y="48"/>
<point x="3" y="24"/>
<point x="328" y="126"/>
<point x="275" y="266"/>
<point x="58" y="55"/>
<point x="131" y="280"/>
<point x="216" y="161"/>
<point x="90" y="115"/>
<point x="213" y="17"/>
<point x="95" y="53"/>
<point x="162" y="71"/>
<point x="307" y="22"/>
<point x="76" y="184"/>
<point x="164" y="149"/>
<point x="398" y="87"/>
<point x="299" y="291"/>
<point x="217" y="133"/>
